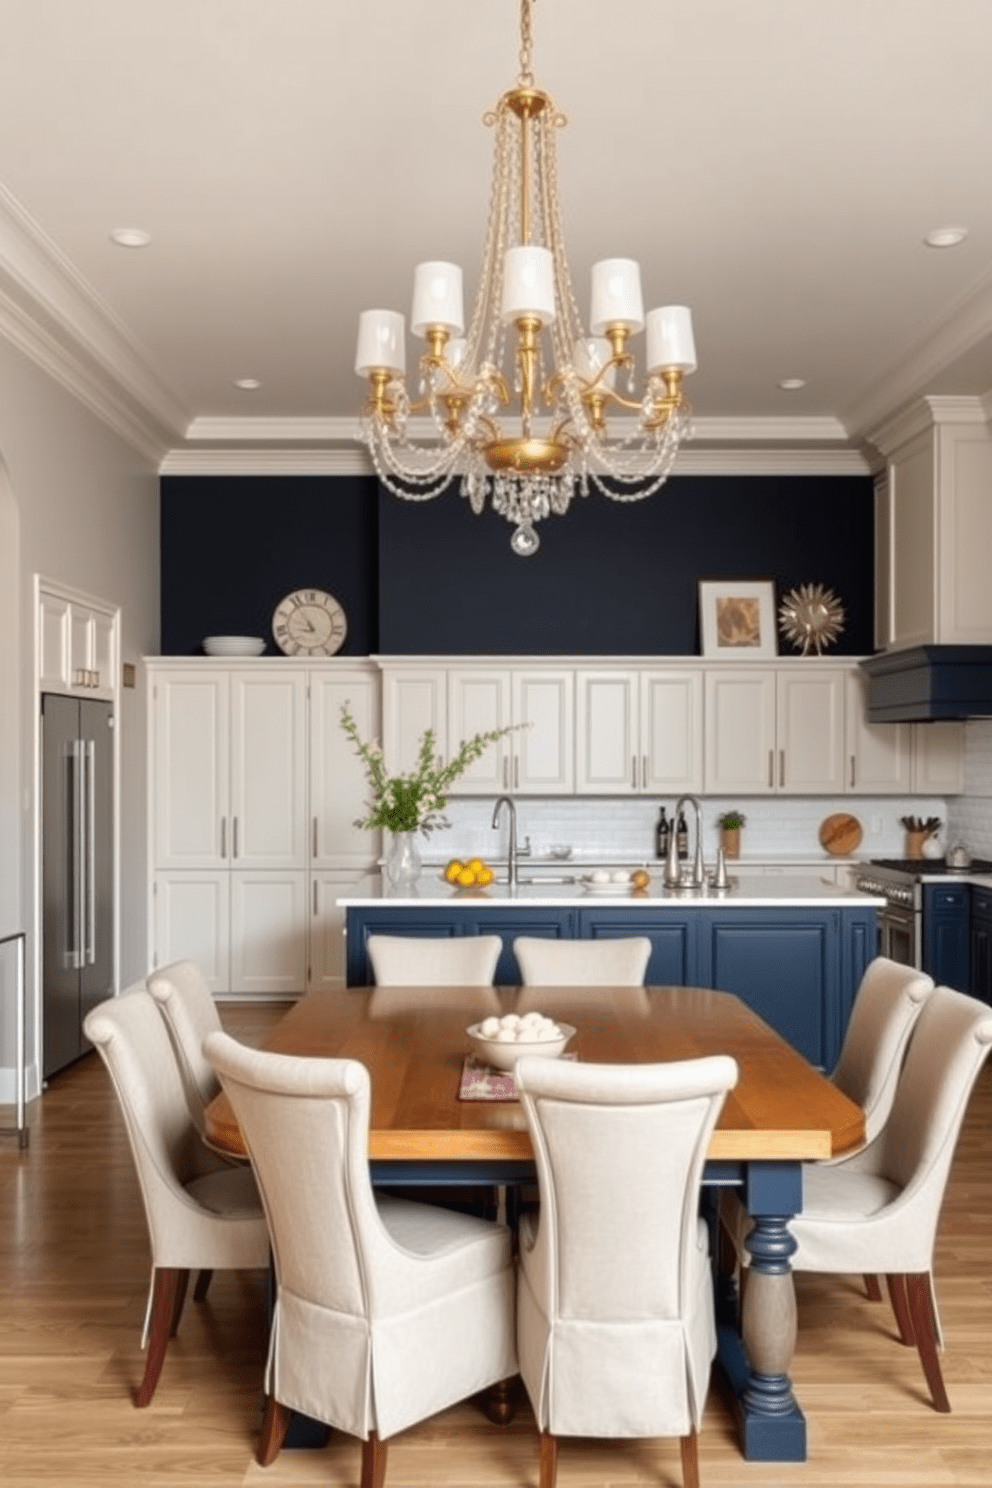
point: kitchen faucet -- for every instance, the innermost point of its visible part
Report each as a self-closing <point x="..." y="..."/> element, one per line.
<point x="513" y="852"/>
<point x="673" y="873"/>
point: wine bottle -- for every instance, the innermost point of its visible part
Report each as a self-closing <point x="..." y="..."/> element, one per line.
<point x="662" y="836"/>
<point x="682" y="837"/>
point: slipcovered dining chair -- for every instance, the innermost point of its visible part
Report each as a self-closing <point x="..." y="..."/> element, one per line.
<point x="202" y="1213"/>
<point x="615" y="1318"/>
<point x="582" y="963"/>
<point x="190" y="1013"/>
<point x="439" y="961"/>
<point x="386" y="1311"/>
<point x="878" y="1210"/>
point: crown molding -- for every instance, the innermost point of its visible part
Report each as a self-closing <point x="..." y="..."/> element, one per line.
<point x="54" y="318"/>
<point x="926" y="414"/>
<point x="938" y="348"/>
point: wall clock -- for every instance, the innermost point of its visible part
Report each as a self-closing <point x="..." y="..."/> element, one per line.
<point x="309" y="622"/>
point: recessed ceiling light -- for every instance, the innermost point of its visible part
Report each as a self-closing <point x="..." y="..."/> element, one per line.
<point x="792" y="384"/>
<point x="945" y="237"/>
<point x="130" y="237"/>
<point x="247" y="384"/>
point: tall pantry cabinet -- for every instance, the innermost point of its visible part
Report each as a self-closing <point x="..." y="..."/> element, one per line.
<point x="253" y="793"/>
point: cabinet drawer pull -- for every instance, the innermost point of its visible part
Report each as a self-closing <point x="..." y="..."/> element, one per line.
<point x="771" y="769"/>
<point x="315" y="896"/>
<point x="315" y="840"/>
<point x="781" y="767"/>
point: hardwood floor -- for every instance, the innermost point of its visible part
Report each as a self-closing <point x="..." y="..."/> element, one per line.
<point x="73" y="1276"/>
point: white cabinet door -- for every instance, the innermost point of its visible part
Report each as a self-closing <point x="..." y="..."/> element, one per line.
<point x="938" y="758"/>
<point x="607" y="733"/>
<point x="268" y="770"/>
<point x="327" y="945"/>
<point x="810" y="731"/>
<point x="879" y="755"/>
<point x="412" y="702"/>
<point x="190" y="769"/>
<point x="54" y="654"/>
<point x="339" y="790"/>
<point x="544" y="748"/>
<point x="671" y="742"/>
<point x="77" y="646"/>
<point x="192" y="923"/>
<point x="740" y="732"/>
<point x="480" y="700"/>
<point x="269" y="933"/>
<point x="103" y="653"/>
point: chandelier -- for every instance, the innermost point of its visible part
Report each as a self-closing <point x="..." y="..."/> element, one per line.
<point x="517" y="406"/>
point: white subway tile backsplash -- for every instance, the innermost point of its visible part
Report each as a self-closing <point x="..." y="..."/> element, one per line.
<point x="623" y="827"/>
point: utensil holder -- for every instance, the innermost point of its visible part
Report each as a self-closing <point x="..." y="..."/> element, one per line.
<point x="914" y="844"/>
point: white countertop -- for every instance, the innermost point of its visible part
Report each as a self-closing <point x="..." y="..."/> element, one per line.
<point x="797" y="891"/>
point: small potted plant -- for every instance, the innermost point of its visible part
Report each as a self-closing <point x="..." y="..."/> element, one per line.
<point x="730" y="824"/>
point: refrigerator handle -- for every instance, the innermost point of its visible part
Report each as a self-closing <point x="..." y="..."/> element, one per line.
<point x="78" y="887"/>
<point x="90" y="876"/>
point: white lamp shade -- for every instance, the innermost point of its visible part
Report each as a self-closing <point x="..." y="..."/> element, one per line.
<point x="670" y="342"/>
<point x="589" y="356"/>
<point x="381" y="343"/>
<point x="529" y="284"/>
<point x="437" y="298"/>
<point x="616" y="295"/>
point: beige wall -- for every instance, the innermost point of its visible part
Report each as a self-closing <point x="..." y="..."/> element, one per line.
<point x="79" y="506"/>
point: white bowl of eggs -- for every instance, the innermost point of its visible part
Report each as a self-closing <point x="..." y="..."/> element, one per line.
<point x="500" y="1042"/>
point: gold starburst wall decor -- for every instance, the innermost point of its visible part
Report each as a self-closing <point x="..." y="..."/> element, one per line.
<point x="811" y="617"/>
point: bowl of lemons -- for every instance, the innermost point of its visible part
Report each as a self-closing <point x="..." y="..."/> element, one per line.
<point x="468" y="873"/>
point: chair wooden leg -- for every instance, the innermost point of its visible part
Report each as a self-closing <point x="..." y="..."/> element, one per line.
<point x="924" y="1326"/>
<point x="373" y="1462"/>
<point x="690" y="1460"/>
<point x="275" y="1424"/>
<point x="548" y="1459"/>
<point x="873" y="1288"/>
<point x="179" y="1302"/>
<point x="900" y="1306"/>
<point x="164" y="1289"/>
<point x="202" y="1284"/>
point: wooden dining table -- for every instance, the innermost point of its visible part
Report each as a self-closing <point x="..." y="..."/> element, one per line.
<point x="782" y="1113"/>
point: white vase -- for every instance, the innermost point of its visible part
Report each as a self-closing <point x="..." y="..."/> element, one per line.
<point x="403" y="862"/>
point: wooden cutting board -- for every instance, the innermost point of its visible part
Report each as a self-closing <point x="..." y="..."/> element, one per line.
<point x="840" y="834"/>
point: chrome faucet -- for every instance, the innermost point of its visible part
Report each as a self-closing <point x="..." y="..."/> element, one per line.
<point x="513" y="852"/>
<point x="673" y="873"/>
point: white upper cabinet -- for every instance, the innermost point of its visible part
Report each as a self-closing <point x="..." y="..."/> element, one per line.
<point x="338" y="786"/>
<point x="741" y="741"/>
<point x="544" y="746"/>
<point x="934" y="526"/>
<point x="638" y="731"/>
<point x="480" y="700"/>
<point x="414" y="699"/>
<point x="775" y="730"/>
<point x="229" y="769"/>
<point x="879" y="755"/>
<point x="77" y="643"/>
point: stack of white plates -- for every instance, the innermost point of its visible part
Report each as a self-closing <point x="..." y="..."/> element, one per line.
<point x="234" y="645"/>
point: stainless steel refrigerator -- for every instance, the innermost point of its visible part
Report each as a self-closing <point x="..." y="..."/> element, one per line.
<point x="77" y="870"/>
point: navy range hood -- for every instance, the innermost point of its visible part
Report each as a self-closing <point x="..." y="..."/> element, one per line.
<point x="929" y="682"/>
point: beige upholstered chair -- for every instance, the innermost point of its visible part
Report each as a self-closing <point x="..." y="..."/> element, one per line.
<point x="582" y="963"/>
<point x="190" y="1014"/>
<point x="425" y="961"/>
<point x="878" y="1210"/>
<point x="386" y="1311"/>
<point x="615" y="1322"/>
<point x="887" y="1004"/>
<point x="202" y="1213"/>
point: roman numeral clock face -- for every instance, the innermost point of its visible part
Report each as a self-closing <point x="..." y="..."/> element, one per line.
<point x="309" y="622"/>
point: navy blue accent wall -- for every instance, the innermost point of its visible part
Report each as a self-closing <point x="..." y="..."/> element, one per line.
<point x="232" y="546"/>
<point x="613" y="579"/>
<point x="427" y="578"/>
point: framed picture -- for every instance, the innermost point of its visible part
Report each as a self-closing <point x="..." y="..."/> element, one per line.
<point x="737" y="619"/>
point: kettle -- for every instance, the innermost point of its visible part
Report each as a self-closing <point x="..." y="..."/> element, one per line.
<point x="958" y="856"/>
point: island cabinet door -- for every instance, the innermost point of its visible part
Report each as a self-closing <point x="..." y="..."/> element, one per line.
<point x="674" y="937"/>
<point x="787" y="968"/>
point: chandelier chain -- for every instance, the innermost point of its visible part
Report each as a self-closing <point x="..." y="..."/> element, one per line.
<point x="526" y="78"/>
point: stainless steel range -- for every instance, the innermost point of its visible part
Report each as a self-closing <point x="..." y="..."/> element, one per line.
<point x="900" y="882"/>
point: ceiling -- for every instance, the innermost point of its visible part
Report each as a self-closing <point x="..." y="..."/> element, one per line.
<point x="774" y="164"/>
